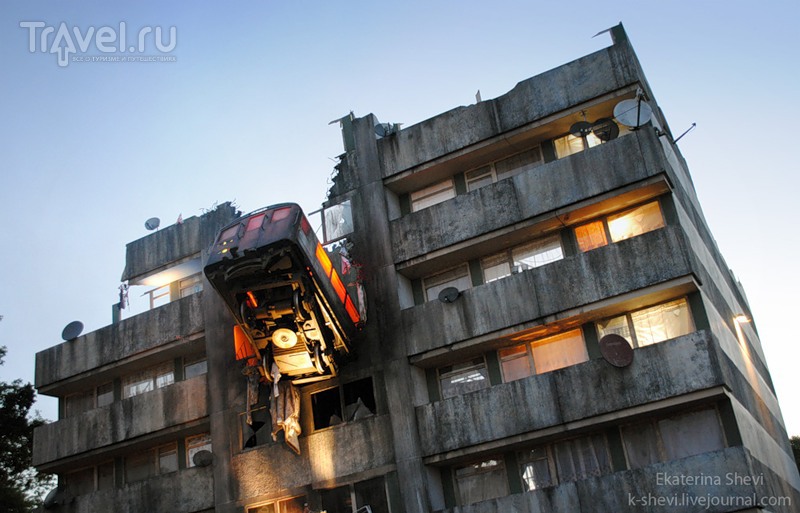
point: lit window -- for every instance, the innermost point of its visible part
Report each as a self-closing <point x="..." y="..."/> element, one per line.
<point x="480" y="481"/>
<point x="159" y="296"/>
<point x="463" y="378"/>
<point x="195" y="444"/>
<point x="292" y="505"/>
<point x="543" y="355"/>
<point x="636" y="221"/>
<point x="624" y="225"/>
<point x="190" y="285"/>
<point x="458" y="278"/>
<point x="571" y="144"/>
<point x="432" y="195"/>
<point x="650" y="325"/>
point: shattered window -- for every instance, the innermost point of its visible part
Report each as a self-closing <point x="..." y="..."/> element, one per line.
<point x="338" y="221"/>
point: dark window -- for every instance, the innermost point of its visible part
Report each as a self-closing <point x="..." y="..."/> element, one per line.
<point x="327" y="408"/>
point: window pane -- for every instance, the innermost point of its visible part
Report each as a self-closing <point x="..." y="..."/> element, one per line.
<point x="196" y="368"/>
<point x="265" y="508"/>
<point x="372" y="493"/>
<point x="479" y="177"/>
<point x="691" y="433"/>
<point x="617" y="326"/>
<point x="580" y="458"/>
<point x="81" y="482"/>
<point x="167" y="459"/>
<point x="293" y="505"/>
<point x="76" y="404"/>
<point x="139" y="466"/>
<point x="336" y="500"/>
<point x="105" y="476"/>
<point x="495" y="267"/>
<point x="636" y="221"/>
<point x="538" y="253"/>
<point x="458" y="278"/>
<point x="662" y="322"/>
<point x="559" y="351"/>
<point x="518" y="163"/>
<point x="481" y="481"/>
<point x="432" y="195"/>
<point x="591" y="236"/>
<point x="327" y="408"/>
<point x="515" y="363"/>
<point x="338" y="221"/>
<point x="463" y="378"/>
<point x="568" y="145"/>
<point x="136" y="384"/>
<point x="535" y="469"/>
<point x="641" y="444"/>
<point x="105" y="394"/>
<point x="190" y="285"/>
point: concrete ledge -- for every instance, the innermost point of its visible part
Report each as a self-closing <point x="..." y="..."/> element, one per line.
<point x="660" y="371"/>
<point x="613" y="493"/>
<point x="108" y="345"/>
<point x="140" y="415"/>
<point x="185" y="491"/>
<point x="333" y="457"/>
<point x="615" y="269"/>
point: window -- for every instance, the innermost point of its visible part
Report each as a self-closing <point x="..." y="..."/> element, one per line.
<point x="503" y="169"/>
<point x="521" y="258"/>
<point x="291" y="505"/>
<point x="168" y="458"/>
<point x="457" y="277"/>
<point x="257" y="433"/>
<point x="463" y="378"/>
<point x="195" y="444"/>
<point x="139" y="466"/>
<point x="535" y="469"/>
<point x="105" y="476"/>
<point x="76" y="404"/>
<point x="571" y="144"/>
<point x="432" y="195"/>
<point x="148" y="379"/>
<point x="480" y="481"/>
<point x="338" y="221"/>
<point x="650" y="325"/>
<point x="356" y="399"/>
<point x="158" y="296"/>
<point x="105" y="394"/>
<point x="564" y="461"/>
<point x="194" y="366"/>
<point x="81" y="482"/>
<point x="665" y="439"/>
<point x="623" y="225"/>
<point x="190" y="285"/>
<point x="351" y="498"/>
<point x="543" y="355"/>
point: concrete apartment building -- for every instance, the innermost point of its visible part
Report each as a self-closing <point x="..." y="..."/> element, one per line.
<point x="503" y="257"/>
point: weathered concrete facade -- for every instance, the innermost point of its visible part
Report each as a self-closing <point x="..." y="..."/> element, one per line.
<point x="495" y="398"/>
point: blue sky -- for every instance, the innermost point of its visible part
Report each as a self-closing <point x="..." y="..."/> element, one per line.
<point x="89" y="151"/>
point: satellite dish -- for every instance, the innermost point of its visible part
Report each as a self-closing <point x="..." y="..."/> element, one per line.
<point x="384" y="129"/>
<point x="72" y="330"/>
<point x="605" y="129"/>
<point x="448" y="294"/>
<point x="581" y="129"/>
<point x="616" y="350"/>
<point x="152" y="223"/>
<point x="633" y="113"/>
<point x="203" y="458"/>
<point x="52" y="499"/>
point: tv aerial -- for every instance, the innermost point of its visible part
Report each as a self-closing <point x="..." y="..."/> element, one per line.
<point x="152" y="223"/>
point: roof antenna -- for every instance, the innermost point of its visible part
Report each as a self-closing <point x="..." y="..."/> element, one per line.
<point x="686" y="132"/>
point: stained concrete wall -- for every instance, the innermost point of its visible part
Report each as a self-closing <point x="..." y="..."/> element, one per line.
<point x="106" y="346"/>
<point x="176" y="242"/>
<point x="629" y="265"/>
<point x="636" y="490"/>
<point x="540" y="190"/>
<point x="151" y="412"/>
<point x="185" y="491"/>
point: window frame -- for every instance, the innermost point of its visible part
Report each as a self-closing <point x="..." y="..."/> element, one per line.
<point x="464" y="367"/>
<point x="428" y="196"/>
<point x="500" y="472"/>
<point x="606" y="230"/>
<point x="529" y="344"/>
<point x="631" y="326"/>
<point x="437" y="282"/>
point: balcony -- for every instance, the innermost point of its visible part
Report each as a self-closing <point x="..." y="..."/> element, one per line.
<point x="151" y="412"/>
<point x="144" y="332"/>
<point x="629" y="265"/>
<point x="541" y="190"/>
<point x="328" y="454"/>
<point x="660" y="371"/>
<point x="185" y="491"/>
<point x="631" y="490"/>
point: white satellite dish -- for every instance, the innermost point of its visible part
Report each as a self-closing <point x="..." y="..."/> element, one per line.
<point x="633" y="113"/>
<point x="152" y="223"/>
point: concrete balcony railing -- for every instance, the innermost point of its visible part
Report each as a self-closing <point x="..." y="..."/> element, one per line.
<point x="110" y="344"/>
<point x="582" y="279"/>
<point x="184" y="491"/>
<point x="639" y="491"/>
<point x="168" y="407"/>
<point x="538" y="191"/>
<point x="547" y="94"/>
<point x="325" y="454"/>
<point x="660" y="371"/>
